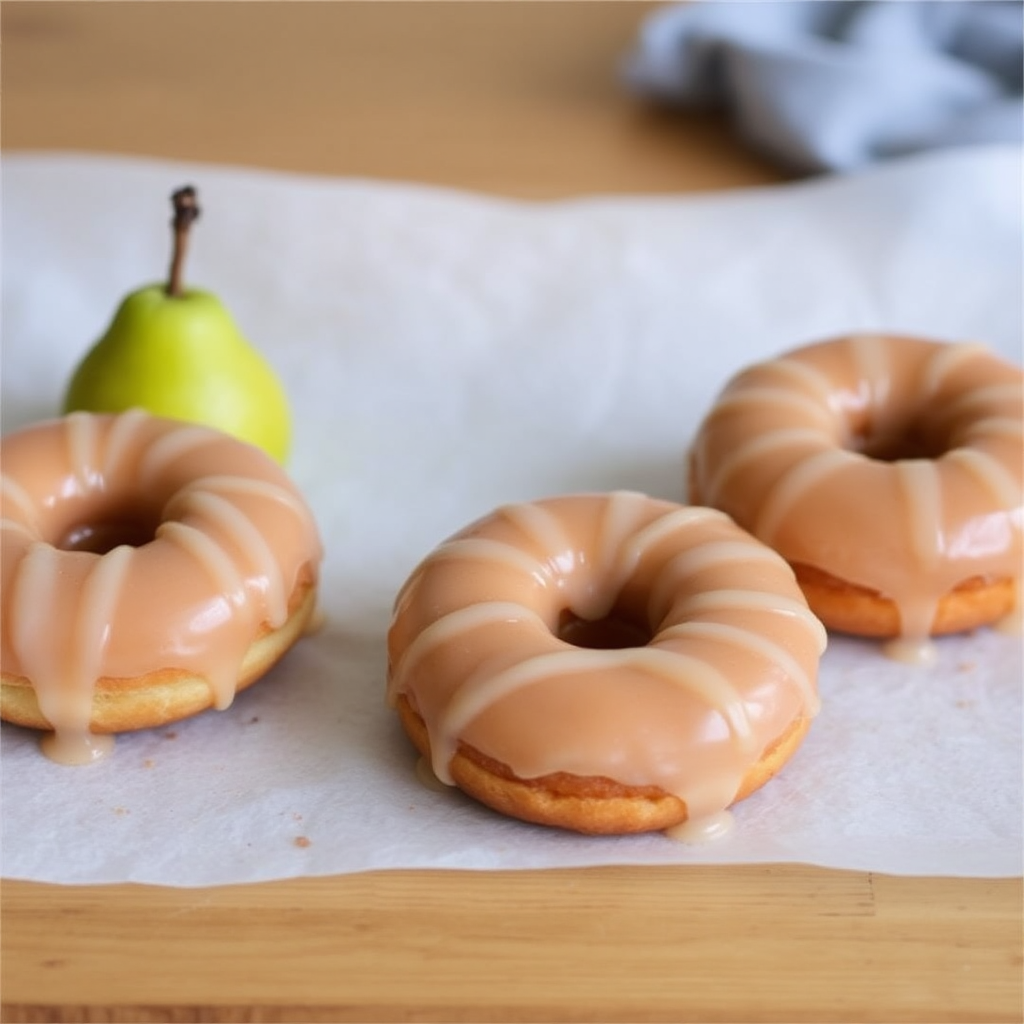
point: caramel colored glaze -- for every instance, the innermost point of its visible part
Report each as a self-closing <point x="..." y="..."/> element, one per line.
<point x="164" y="695"/>
<point x="604" y="740"/>
<point x="141" y="553"/>
<point x="888" y="471"/>
<point x="853" y="609"/>
<point x="592" y="805"/>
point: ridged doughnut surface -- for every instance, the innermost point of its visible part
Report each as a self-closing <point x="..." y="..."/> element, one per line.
<point x="606" y="663"/>
<point x="149" y="569"/>
<point x="887" y="471"/>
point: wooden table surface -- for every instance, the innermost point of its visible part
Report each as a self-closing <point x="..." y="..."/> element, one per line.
<point x="515" y="99"/>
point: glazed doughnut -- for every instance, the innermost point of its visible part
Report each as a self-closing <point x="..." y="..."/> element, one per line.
<point x="887" y="471"/>
<point x="150" y="570"/>
<point x="604" y="663"/>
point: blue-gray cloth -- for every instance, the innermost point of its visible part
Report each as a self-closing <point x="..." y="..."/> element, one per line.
<point x="829" y="85"/>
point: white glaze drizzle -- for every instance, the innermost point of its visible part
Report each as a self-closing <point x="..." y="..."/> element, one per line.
<point x="483" y="691"/>
<point x="944" y="360"/>
<point x="240" y="486"/>
<point x="170" y="447"/>
<point x="12" y="493"/>
<point x="688" y="563"/>
<point x="801" y="478"/>
<point x="634" y="547"/>
<point x="909" y="650"/>
<point x="621" y="546"/>
<point x="122" y="435"/>
<point x="498" y="551"/>
<point x="65" y="697"/>
<point x="615" y="560"/>
<point x="235" y="525"/>
<point x="747" y="639"/>
<point x="994" y="426"/>
<point x="754" y="600"/>
<point x="990" y="396"/>
<point x="636" y="544"/>
<point x="100" y="595"/>
<point x="16" y="526"/>
<point x="461" y="621"/>
<point x="919" y="481"/>
<point x="803" y="375"/>
<point x="871" y="357"/>
<point x="221" y="672"/>
<point x="994" y="405"/>
<point x="64" y="674"/>
<point x="808" y="437"/>
<point x="709" y="829"/>
<point x="70" y="742"/>
<point x="34" y="588"/>
<point x="775" y="397"/>
<point x="539" y="526"/>
<point x="701" y="679"/>
<point x="427" y="778"/>
<point x="81" y="439"/>
<point x="224" y="572"/>
<point x="989" y="473"/>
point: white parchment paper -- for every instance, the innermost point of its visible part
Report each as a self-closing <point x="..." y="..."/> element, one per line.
<point x="446" y="353"/>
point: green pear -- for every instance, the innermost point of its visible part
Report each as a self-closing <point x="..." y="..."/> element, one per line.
<point x="177" y="352"/>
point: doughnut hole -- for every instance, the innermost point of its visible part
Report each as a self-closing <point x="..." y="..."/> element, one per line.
<point x="616" y="631"/>
<point x="108" y="524"/>
<point x="887" y="438"/>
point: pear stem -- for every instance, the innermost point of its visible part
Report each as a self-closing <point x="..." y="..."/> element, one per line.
<point x="186" y="210"/>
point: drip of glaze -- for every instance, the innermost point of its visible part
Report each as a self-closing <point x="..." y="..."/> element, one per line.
<point x="539" y="526"/>
<point x="427" y="777"/>
<point x="497" y="551"/>
<point x="222" y="671"/>
<point x="796" y="439"/>
<point x="698" y="831"/>
<point x="701" y="679"/>
<point x="83" y="596"/>
<point x="910" y="650"/>
<point x="76" y="749"/>
<point x="869" y="353"/>
<point x="752" y="641"/>
<point x="316" y="622"/>
<point x="230" y="522"/>
<point x="621" y="544"/>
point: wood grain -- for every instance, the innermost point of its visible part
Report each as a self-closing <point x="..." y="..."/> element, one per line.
<point x="609" y="944"/>
<point x="524" y="99"/>
<point x="519" y="99"/>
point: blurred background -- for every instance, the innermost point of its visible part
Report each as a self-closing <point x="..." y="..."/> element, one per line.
<point x="531" y="99"/>
<point x="520" y="99"/>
